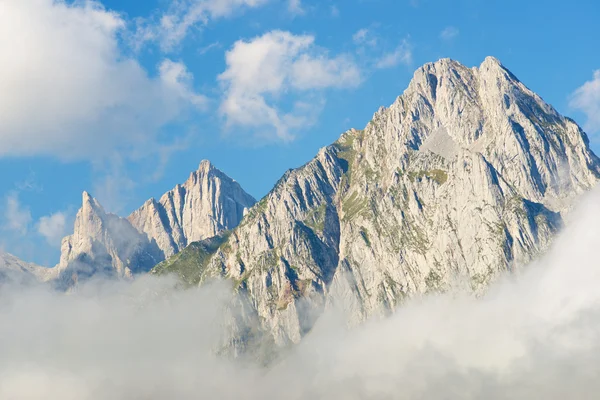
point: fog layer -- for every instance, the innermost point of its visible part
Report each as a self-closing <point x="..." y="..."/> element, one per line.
<point x="536" y="335"/>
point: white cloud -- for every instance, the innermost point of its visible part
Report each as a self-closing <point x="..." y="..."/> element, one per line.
<point x="449" y="33"/>
<point x="295" y="7"/>
<point x="533" y="335"/>
<point x="364" y="37"/>
<point x="183" y="15"/>
<point x="68" y="89"/>
<point x="587" y="100"/>
<point x="53" y="227"/>
<point x="16" y="216"/>
<point x="260" y="71"/>
<point x="207" y="48"/>
<point x="175" y="76"/>
<point x="401" y="55"/>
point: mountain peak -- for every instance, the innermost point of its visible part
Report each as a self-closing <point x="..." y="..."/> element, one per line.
<point x="491" y="66"/>
<point x="89" y="203"/>
<point x="466" y="175"/>
<point x="205" y="166"/>
<point x="86" y="197"/>
<point x="208" y="203"/>
<point x="491" y="60"/>
<point x="436" y="67"/>
<point x="444" y="66"/>
<point x="102" y="243"/>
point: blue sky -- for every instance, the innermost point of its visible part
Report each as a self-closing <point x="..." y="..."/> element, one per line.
<point x="124" y="98"/>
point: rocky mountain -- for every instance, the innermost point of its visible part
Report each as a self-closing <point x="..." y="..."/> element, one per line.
<point x="104" y="244"/>
<point x="468" y="174"/>
<point x="14" y="270"/>
<point x="208" y="203"/>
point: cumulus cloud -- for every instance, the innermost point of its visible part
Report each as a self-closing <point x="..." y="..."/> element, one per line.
<point x="263" y="69"/>
<point x="587" y="100"/>
<point x="16" y="216"/>
<point x="69" y="89"/>
<point x="53" y="227"/>
<point x="183" y="15"/>
<point x="401" y="55"/>
<point x="449" y="33"/>
<point x="177" y="78"/>
<point x="536" y="335"/>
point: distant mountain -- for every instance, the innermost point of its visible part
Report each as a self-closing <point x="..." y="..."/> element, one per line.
<point x="103" y="244"/>
<point x="207" y="204"/>
<point x="14" y="270"/>
<point x="468" y="174"/>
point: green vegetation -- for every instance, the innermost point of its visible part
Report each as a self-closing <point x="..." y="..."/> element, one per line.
<point x="434" y="282"/>
<point x="399" y="195"/>
<point x="316" y="218"/>
<point x="352" y="206"/>
<point x="438" y="175"/>
<point x="191" y="263"/>
<point x="268" y="259"/>
<point x="347" y="151"/>
<point x="516" y="206"/>
<point x="479" y="280"/>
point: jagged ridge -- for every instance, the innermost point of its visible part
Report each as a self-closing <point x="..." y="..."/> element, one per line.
<point x="466" y="175"/>
<point x="207" y="204"/>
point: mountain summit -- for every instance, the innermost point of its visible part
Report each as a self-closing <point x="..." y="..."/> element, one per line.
<point x="103" y="243"/>
<point x="468" y="174"/>
<point x="207" y="204"/>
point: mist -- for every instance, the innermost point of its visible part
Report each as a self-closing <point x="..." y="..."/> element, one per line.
<point x="535" y="335"/>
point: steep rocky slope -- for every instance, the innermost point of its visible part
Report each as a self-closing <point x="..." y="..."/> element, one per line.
<point x="103" y="244"/>
<point x="466" y="175"/>
<point x="208" y="203"/>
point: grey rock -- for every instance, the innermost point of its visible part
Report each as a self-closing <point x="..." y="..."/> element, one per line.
<point x="467" y="175"/>
<point x="206" y="205"/>
<point x="15" y="271"/>
<point x="103" y="244"/>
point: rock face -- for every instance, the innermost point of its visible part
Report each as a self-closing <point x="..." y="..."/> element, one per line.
<point x="208" y="203"/>
<point x="466" y="175"/>
<point x="103" y="243"/>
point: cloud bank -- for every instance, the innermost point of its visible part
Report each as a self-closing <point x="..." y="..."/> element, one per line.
<point x="263" y="69"/>
<point x="70" y="90"/>
<point x="532" y="336"/>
